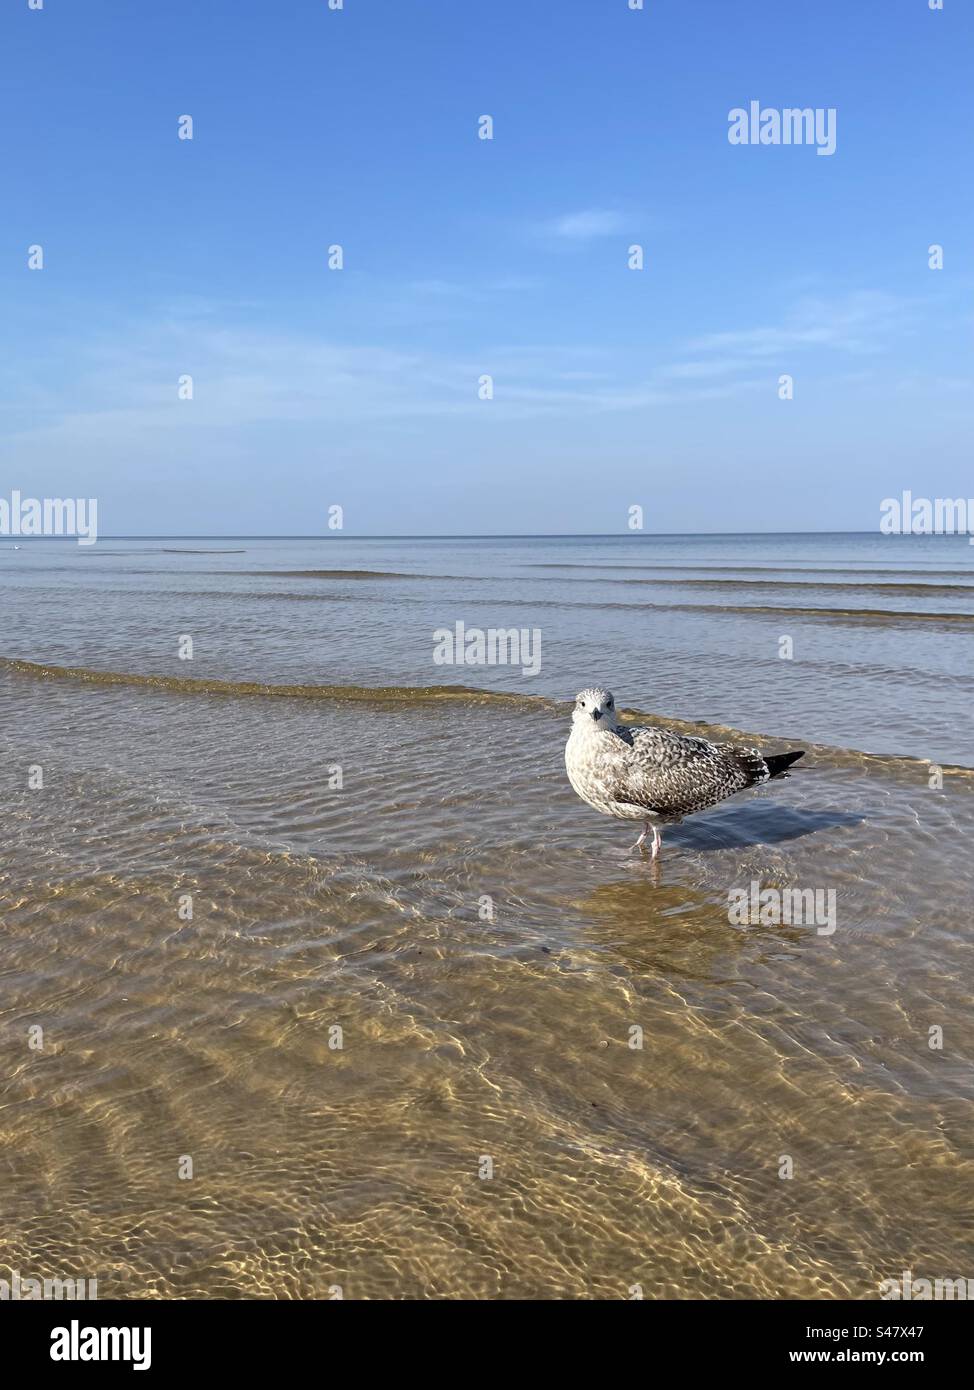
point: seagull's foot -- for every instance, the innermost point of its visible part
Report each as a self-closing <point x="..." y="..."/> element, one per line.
<point x="654" y="848"/>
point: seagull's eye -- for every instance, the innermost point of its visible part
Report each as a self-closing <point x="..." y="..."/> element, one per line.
<point x="608" y="704"/>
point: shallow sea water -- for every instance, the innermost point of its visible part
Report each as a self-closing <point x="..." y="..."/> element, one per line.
<point x="475" y="1029"/>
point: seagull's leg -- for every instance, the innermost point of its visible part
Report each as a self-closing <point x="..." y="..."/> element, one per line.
<point x="642" y="837"/>
<point x="657" y="843"/>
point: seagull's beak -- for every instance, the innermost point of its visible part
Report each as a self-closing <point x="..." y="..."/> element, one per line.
<point x="596" y="714"/>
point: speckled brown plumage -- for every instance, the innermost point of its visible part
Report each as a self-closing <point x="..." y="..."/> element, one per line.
<point x="635" y="772"/>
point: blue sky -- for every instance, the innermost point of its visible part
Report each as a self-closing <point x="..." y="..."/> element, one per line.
<point x="466" y="257"/>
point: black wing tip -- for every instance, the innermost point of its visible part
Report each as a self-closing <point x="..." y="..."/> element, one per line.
<point x="778" y="763"/>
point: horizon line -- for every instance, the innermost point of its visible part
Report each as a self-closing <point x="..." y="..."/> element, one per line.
<point x="454" y="535"/>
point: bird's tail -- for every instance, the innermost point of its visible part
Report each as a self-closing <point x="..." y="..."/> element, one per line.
<point x="778" y="764"/>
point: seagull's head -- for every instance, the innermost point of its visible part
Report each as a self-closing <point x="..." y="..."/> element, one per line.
<point x="595" y="709"/>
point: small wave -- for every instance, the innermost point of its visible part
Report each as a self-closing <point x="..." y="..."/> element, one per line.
<point x="194" y="685"/>
<point x="844" y="586"/>
<point x="96" y="551"/>
<point x="875" y="616"/>
<point x="849" y="616"/>
<point x="771" y="569"/>
<point x="410" y="695"/>
<point x="340" y="574"/>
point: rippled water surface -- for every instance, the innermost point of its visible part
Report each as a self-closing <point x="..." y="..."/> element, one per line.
<point x="489" y="947"/>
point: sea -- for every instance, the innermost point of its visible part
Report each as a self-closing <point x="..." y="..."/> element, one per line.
<point x="318" y="981"/>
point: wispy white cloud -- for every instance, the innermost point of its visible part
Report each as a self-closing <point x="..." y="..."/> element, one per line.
<point x="478" y="290"/>
<point x="585" y="225"/>
<point x="699" y="370"/>
<point x="859" y="323"/>
<point x="116" y="396"/>
<point x="117" y="388"/>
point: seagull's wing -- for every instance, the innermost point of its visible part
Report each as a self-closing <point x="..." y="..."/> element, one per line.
<point x="671" y="774"/>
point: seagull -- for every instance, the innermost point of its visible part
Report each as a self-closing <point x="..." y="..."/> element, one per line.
<point x="657" y="776"/>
